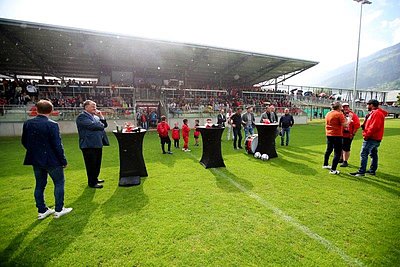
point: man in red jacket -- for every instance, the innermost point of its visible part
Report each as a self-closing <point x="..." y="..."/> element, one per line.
<point x="162" y="129"/>
<point x="372" y="134"/>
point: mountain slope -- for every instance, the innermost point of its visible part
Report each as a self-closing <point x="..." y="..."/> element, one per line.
<point x="380" y="70"/>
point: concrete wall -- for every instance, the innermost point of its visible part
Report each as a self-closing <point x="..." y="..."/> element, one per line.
<point x="67" y="127"/>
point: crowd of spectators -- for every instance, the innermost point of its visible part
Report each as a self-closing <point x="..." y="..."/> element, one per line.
<point x="213" y="104"/>
<point x="72" y="93"/>
<point x="60" y="92"/>
<point x="18" y="91"/>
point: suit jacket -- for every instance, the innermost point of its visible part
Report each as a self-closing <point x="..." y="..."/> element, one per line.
<point x="91" y="131"/>
<point x="42" y="141"/>
<point x="245" y="119"/>
<point x="221" y="119"/>
<point x="273" y="118"/>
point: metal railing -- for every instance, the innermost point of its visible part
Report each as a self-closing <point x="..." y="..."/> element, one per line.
<point x="10" y="113"/>
<point x="209" y="112"/>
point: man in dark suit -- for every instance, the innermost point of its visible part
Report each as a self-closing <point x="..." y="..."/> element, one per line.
<point x="44" y="151"/>
<point x="221" y="118"/>
<point x="236" y="121"/>
<point x="92" y="137"/>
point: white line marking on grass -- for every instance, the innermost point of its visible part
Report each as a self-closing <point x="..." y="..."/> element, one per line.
<point x="292" y="221"/>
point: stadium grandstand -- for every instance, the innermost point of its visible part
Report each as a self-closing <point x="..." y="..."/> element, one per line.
<point x="130" y="76"/>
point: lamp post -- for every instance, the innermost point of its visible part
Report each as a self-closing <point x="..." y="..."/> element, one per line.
<point x="362" y="2"/>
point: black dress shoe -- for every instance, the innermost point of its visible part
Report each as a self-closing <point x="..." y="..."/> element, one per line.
<point x="100" y="181"/>
<point x="96" y="186"/>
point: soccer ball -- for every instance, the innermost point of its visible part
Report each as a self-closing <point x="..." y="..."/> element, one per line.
<point x="264" y="157"/>
<point x="257" y="155"/>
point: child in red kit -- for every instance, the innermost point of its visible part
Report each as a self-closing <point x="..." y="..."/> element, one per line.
<point x="185" y="135"/>
<point x="196" y="132"/>
<point x="176" y="135"/>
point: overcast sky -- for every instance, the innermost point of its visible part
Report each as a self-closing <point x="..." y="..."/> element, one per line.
<point x="319" y="30"/>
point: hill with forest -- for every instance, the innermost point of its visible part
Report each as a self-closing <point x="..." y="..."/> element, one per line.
<point x="379" y="71"/>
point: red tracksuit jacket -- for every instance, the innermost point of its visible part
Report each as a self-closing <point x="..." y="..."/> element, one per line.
<point x="374" y="125"/>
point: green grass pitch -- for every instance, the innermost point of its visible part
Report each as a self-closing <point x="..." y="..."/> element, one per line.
<point x="287" y="211"/>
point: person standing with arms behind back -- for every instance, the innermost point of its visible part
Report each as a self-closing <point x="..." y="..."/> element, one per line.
<point x="372" y="134"/>
<point x="92" y="137"/>
<point x="176" y="135"/>
<point x="285" y="123"/>
<point x="44" y="151"/>
<point x="334" y="123"/>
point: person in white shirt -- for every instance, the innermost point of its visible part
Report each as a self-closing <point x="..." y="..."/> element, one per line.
<point x="229" y="125"/>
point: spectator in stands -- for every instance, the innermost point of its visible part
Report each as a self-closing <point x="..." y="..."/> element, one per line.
<point x="285" y="123"/>
<point x="162" y="129"/>
<point x="44" y="151"/>
<point x="236" y="121"/>
<point x="372" y="133"/>
<point x="143" y="120"/>
<point x="248" y="121"/>
<point x="92" y="137"/>
<point x="334" y="123"/>
<point x="139" y="117"/>
<point x="348" y="133"/>
<point x="153" y="118"/>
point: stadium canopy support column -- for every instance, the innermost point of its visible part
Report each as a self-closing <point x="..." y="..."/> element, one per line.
<point x="132" y="165"/>
<point x="212" y="156"/>
<point x="266" y="139"/>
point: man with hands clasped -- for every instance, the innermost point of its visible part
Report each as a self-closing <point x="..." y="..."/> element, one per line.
<point x="92" y="137"/>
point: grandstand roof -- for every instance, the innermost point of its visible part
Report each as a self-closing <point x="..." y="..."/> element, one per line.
<point x="41" y="49"/>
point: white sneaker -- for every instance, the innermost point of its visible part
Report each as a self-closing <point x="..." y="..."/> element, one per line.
<point x="62" y="212"/>
<point x="326" y="167"/>
<point x="334" y="172"/>
<point x="43" y="215"/>
<point x="187" y="150"/>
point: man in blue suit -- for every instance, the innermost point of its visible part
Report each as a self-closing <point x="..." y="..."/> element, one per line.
<point x="44" y="151"/>
<point x="92" y="137"/>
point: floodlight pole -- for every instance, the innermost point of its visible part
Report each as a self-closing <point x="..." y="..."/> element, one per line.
<point x="362" y="2"/>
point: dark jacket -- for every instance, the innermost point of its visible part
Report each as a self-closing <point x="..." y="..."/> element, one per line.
<point x="273" y="118"/>
<point x="286" y="121"/>
<point x="221" y="119"/>
<point x="237" y="120"/>
<point x="42" y="141"/>
<point x="91" y="131"/>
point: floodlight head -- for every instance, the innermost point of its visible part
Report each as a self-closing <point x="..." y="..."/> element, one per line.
<point x="364" y="2"/>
